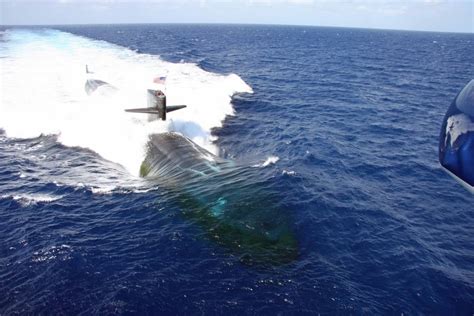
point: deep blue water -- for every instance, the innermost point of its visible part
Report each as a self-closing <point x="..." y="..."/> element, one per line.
<point x="354" y="116"/>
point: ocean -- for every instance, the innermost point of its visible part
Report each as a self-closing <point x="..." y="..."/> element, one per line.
<point x="335" y="128"/>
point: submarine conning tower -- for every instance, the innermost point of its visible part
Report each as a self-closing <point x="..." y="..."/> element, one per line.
<point x="156" y="99"/>
<point x="157" y="108"/>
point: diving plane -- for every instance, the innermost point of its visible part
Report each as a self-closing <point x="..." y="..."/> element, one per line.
<point x="156" y="99"/>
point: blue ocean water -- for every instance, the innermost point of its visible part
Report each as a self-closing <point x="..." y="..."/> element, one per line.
<point x="351" y="120"/>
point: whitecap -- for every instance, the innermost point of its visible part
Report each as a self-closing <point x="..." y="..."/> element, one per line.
<point x="288" y="172"/>
<point x="269" y="161"/>
<point x="26" y="199"/>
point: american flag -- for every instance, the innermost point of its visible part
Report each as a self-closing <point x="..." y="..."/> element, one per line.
<point x="161" y="80"/>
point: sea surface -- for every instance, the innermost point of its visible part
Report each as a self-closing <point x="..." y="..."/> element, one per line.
<point x="340" y="125"/>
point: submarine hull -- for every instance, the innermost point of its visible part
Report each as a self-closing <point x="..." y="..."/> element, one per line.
<point x="92" y="85"/>
<point x="235" y="209"/>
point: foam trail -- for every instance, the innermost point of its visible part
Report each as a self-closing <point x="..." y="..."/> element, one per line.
<point x="43" y="78"/>
<point x="28" y="199"/>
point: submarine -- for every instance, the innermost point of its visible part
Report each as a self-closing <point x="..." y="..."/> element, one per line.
<point x="456" y="140"/>
<point x="234" y="207"/>
<point x="229" y="201"/>
<point x="156" y="99"/>
<point x="93" y="85"/>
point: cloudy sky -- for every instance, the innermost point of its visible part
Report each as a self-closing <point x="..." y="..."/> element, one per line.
<point x="429" y="15"/>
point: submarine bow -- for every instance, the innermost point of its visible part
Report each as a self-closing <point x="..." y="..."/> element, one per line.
<point x="235" y="209"/>
<point x="456" y="141"/>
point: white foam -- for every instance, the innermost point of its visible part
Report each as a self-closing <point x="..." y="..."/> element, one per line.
<point x="42" y="92"/>
<point x="288" y="172"/>
<point x="28" y="199"/>
<point x="269" y="161"/>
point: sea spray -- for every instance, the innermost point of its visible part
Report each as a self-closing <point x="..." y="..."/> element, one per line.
<point x="43" y="76"/>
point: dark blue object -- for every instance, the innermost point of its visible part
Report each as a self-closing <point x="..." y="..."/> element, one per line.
<point x="456" y="141"/>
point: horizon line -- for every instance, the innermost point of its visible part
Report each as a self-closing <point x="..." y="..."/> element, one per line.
<point x="231" y="23"/>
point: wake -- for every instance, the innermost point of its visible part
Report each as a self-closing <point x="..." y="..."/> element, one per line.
<point x="42" y="92"/>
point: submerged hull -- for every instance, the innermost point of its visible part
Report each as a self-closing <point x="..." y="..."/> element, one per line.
<point x="236" y="210"/>
<point x="92" y="85"/>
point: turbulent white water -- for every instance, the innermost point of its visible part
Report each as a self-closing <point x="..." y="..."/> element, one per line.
<point x="42" y="92"/>
<point x="269" y="161"/>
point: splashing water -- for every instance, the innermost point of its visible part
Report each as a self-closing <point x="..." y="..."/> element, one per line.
<point x="43" y="76"/>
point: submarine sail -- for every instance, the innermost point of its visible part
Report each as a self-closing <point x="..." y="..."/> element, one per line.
<point x="157" y="108"/>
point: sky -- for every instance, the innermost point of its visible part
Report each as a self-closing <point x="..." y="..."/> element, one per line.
<point x="423" y="15"/>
